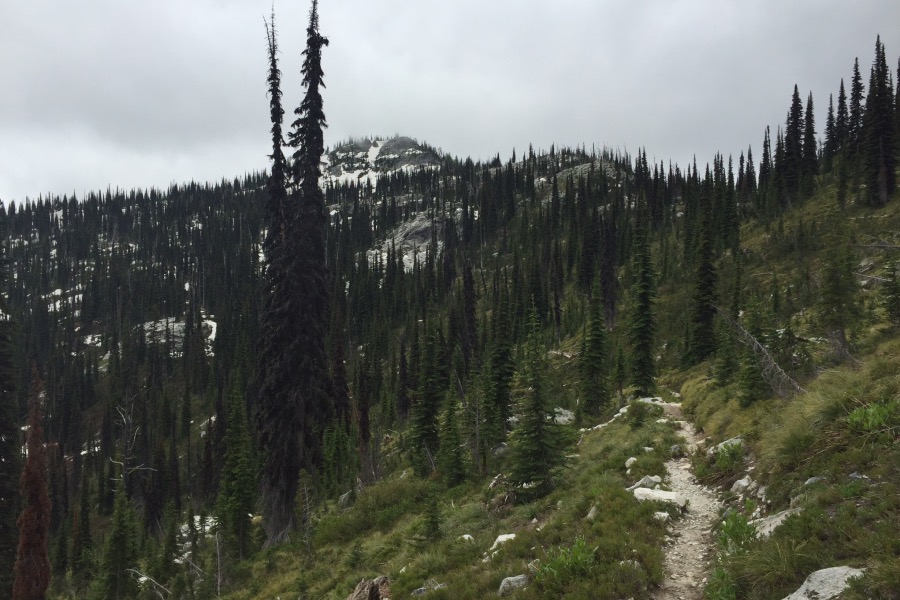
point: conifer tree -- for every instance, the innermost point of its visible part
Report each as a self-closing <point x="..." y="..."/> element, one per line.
<point x="829" y="150"/>
<point x="855" y="119"/>
<point x="237" y="489"/>
<point x="838" y="302"/>
<point x="642" y="322"/>
<point x="10" y="437"/>
<point x="810" y="167"/>
<point x="32" y="568"/>
<point x="537" y="447"/>
<point x="702" y="338"/>
<point x="878" y="144"/>
<point x="791" y="167"/>
<point x="294" y="401"/>
<point x="891" y="293"/>
<point x="841" y="120"/>
<point x="450" y="457"/>
<point x="120" y="553"/>
<point x="82" y="544"/>
<point x="425" y="435"/>
<point x="594" y="358"/>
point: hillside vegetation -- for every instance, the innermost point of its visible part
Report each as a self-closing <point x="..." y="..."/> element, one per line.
<point x="506" y="343"/>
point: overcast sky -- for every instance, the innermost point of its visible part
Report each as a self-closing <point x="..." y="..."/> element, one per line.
<point x="135" y="94"/>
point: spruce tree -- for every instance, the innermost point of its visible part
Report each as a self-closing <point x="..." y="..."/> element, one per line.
<point x="10" y="437"/>
<point x="120" y="553"/>
<point x="237" y="489"/>
<point x="855" y="119"/>
<point x="878" y="144"/>
<point x="537" y="447"/>
<point x="295" y="405"/>
<point x="841" y="121"/>
<point x="702" y="337"/>
<point x="838" y="302"/>
<point x="594" y="358"/>
<point x="32" y="568"/>
<point x="810" y="166"/>
<point x="642" y="322"/>
<point x="82" y="544"/>
<point x="891" y="293"/>
<point x="450" y="457"/>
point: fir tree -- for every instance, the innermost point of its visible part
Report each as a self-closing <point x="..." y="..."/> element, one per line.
<point x="82" y="544"/>
<point x="855" y="119"/>
<point x="878" y="144"/>
<point x="295" y="405"/>
<point x="838" y="287"/>
<point x="537" y="450"/>
<point x="702" y="338"/>
<point x="237" y="489"/>
<point x="120" y="553"/>
<point x="891" y="293"/>
<point x="841" y="121"/>
<point x="32" y="568"/>
<point x="810" y="166"/>
<point x="425" y="435"/>
<point x="594" y="358"/>
<point x="450" y="457"/>
<point x="642" y="322"/>
<point x="10" y="437"/>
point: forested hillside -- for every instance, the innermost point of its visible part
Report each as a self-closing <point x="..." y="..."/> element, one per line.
<point x="478" y="320"/>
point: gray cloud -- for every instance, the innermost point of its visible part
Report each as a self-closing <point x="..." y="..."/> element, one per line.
<point x="138" y="94"/>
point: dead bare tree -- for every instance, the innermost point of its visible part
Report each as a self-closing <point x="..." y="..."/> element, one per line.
<point x="782" y="383"/>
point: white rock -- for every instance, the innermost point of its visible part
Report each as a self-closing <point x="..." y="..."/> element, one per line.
<point x="735" y="441"/>
<point x="563" y="416"/>
<point x="740" y="486"/>
<point x="661" y="516"/>
<point x="511" y="584"/>
<point x="466" y="537"/>
<point x="502" y="539"/>
<point x="825" y="584"/>
<point x="646" y="481"/>
<point x="630" y="462"/>
<point x="651" y="400"/>
<point x="648" y="449"/>
<point x="642" y="494"/>
<point x="766" y="525"/>
<point x="592" y="514"/>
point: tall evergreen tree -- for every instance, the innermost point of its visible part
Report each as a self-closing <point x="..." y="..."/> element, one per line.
<point x="642" y="323"/>
<point x="702" y="338"/>
<point x="810" y="166"/>
<point x="594" y="359"/>
<point x="838" y="301"/>
<point x="237" y="489"/>
<point x="294" y="401"/>
<point x="878" y="144"/>
<point x="792" y="166"/>
<point x="120" y="553"/>
<point x="537" y="447"/>
<point x="855" y="120"/>
<point x="10" y="437"/>
<point x="841" y="120"/>
<point x="32" y="568"/>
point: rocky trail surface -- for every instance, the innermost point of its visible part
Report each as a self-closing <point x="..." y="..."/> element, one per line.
<point x="692" y="548"/>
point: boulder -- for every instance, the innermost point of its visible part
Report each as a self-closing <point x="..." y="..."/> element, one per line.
<point x="766" y="525"/>
<point x="741" y="486"/>
<point x="825" y="584"/>
<point x="466" y="538"/>
<point x="592" y="514"/>
<point x="502" y="539"/>
<point x="661" y="516"/>
<point x="735" y="441"/>
<point x="511" y="584"/>
<point x="675" y="451"/>
<point x="366" y="590"/>
<point x="345" y="500"/>
<point x="563" y="416"/>
<point x="630" y="462"/>
<point x="646" y="481"/>
<point x="642" y="494"/>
